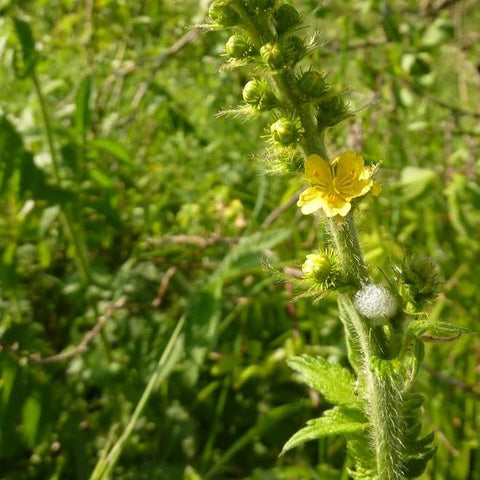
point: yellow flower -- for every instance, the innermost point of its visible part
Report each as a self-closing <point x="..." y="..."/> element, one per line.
<point x="335" y="184"/>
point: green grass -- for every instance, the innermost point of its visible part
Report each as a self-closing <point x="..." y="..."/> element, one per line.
<point x="111" y="255"/>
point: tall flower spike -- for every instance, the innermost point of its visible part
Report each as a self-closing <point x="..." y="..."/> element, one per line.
<point x="335" y="184"/>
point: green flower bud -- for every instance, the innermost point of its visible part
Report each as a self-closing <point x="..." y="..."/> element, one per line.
<point x="294" y="49"/>
<point x="285" y="132"/>
<point x="317" y="267"/>
<point x="258" y="95"/>
<point x="421" y="276"/>
<point x="223" y="14"/>
<point x="312" y="85"/>
<point x="272" y="55"/>
<point x="285" y="18"/>
<point x="284" y="54"/>
<point x="238" y="46"/>
<point x="331" y="110"/>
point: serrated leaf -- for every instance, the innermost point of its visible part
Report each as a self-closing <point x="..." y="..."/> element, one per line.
<point x="334" y="382"/>
<point x="361" y="474"/>
<point x="415" y="464"/>
<point x="435" y="331"/>
<point x="341" y="420"/>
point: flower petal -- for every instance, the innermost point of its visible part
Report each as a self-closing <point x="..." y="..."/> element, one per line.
<point x="352" y="177"/>
<point x="334" y="204"/>
<point x="310" y="200"/>
<point x="318" y="171"/>
<point x="349" y="163"/>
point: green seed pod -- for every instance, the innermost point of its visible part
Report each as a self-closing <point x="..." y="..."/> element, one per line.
<point x="285" y="132"/>
<point x="317" y="267"/>
<point x="312" y="85"/>
<point x="258" y="95"/>
<point x="223" y="14"/>
<point x="238" y="46"/>
<point x="285" y="18"/>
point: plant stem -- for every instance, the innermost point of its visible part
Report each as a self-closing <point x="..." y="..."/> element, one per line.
<point x="366" y="343"/>
<point x="384" y="399"/>
<point x="345" y="239"/>
<point x="66" y="213"/>
<point x="164" y="366"/>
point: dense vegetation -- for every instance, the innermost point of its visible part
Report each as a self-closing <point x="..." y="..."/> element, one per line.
<point x="128" y="208"/>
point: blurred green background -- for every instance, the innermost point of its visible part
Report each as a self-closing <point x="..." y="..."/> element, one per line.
<point x="154" y="210"/>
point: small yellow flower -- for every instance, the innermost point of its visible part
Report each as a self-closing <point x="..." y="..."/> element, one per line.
<point x="335" y="184"/>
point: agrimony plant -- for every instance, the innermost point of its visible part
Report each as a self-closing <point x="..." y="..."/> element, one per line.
<point x="385" y="325"/>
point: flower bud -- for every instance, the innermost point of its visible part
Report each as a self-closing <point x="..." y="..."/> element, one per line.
<point x="294" y="49"/>
<point x="331" y="110"/>
<point x="421" y="277"/>
<point x="285" y="18"/>
<point x="376" y="303"/>
<point x="317" y="267"/>
<point x="284" y="54"/>
<point x="238" y="46"/>
<point x="312" y="85"/>
<point x="222" y="13"/>
<point x="258" y="95"/>
<point x="272" y="55"/>
<point x="285" y="132"/>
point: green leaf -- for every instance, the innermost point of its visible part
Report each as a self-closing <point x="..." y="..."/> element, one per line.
<point x="341" y="420"/>
<point x="11" y="148"/>
<point x="417" y="358"/>
<point x="415" y="180"/>
<point x="24" y="67"/>
<point x="33" y="181"/>
<point x="334" y="382"/>
<point x="440" y="31"/>
<point x="31" y="413"/>
<point x="201" y="328"/>
<point x="415" y="464"/>
<point x="272" y="417"/>
<point x="435" y="331"/>
<point x="113" y="148"/>
<point x="8" y="264"/>
<point x="82" y="103"/>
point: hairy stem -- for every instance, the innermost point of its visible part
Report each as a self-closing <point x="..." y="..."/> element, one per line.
<point x="367" y="346"/>
<point x="383" y="397"/>
<point x="344" y="237"/>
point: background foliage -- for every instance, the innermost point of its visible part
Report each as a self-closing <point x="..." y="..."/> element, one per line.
<point x="154" y="209"/>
